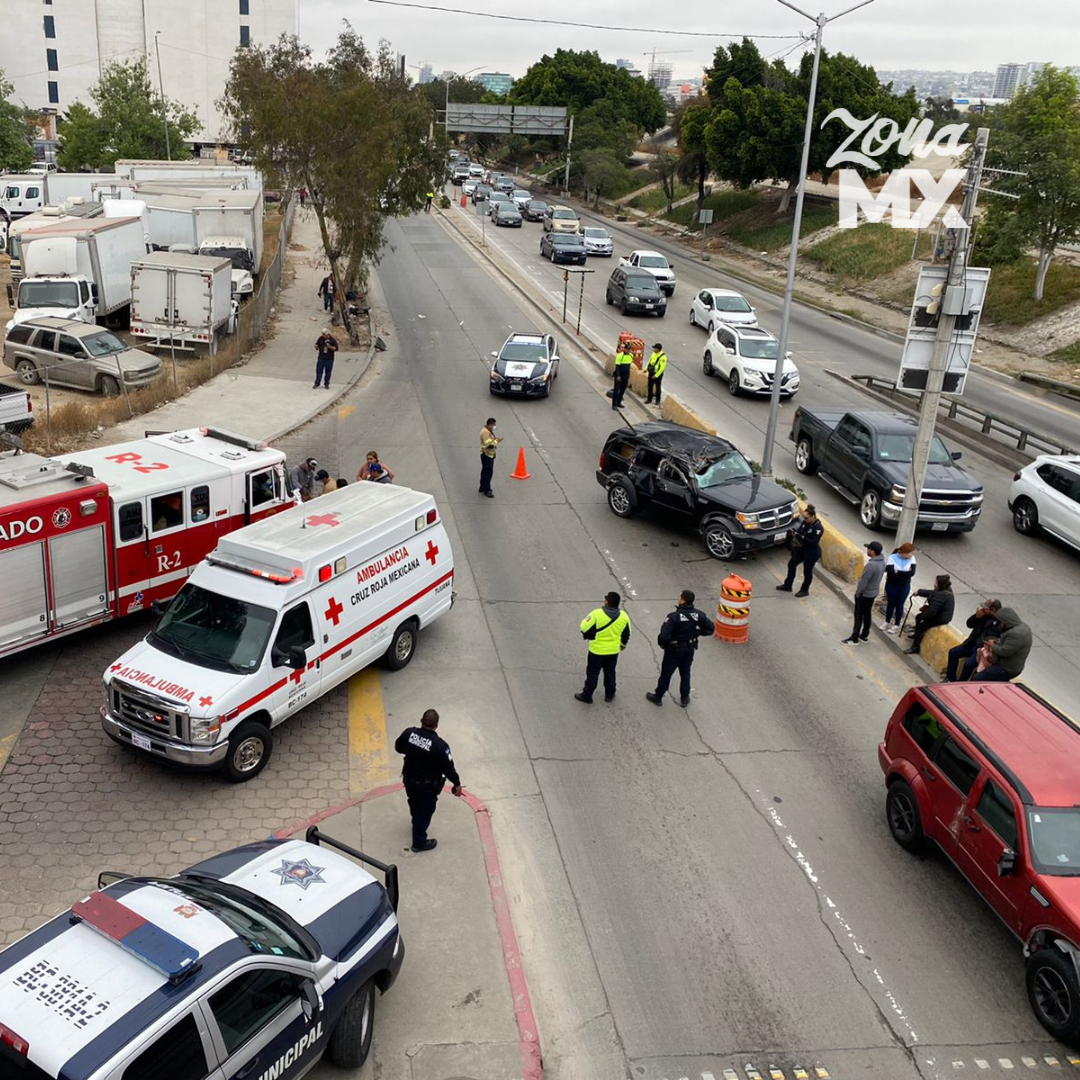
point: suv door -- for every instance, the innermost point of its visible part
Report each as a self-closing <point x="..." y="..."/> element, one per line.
<point x="672" y="490"/>
<point x="950" y="777"/>
<point x="259" y="1021"/>
<point x="72" y="366"/>
<point x="992" y="824"/>
<point x="615" y="286"/>
<point x="1058" y="509"/>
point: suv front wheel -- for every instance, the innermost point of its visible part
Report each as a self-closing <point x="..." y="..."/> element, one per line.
<point x="1054" y="994"/>
<point x="719" y="542"/>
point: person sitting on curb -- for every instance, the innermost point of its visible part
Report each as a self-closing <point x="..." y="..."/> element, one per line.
<point x="983" y="624"/>
<point x="1008" y="653"/>
<point x="937" y="611"/>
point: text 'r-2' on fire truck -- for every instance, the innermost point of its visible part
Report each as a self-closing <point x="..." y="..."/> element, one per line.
<point x="282" y="611"/>
<point x="103" y="533"/>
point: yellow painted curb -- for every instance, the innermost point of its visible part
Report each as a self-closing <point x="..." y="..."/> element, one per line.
<point x="936" y="645"/>
<point x="369" y="759"/>
<point x="840" y="556"/>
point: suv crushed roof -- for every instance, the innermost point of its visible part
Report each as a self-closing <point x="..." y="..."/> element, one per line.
<point x="676" y="438"/>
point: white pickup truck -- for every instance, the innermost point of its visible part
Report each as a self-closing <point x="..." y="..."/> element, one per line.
<point x="16" y="409"/>
<point x="656" y="264"/>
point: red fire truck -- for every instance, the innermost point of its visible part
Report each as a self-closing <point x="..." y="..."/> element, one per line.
<point x="92" y="536"/>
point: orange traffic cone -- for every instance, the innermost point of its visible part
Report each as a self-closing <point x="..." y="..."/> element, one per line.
<point x="520" y="472"/>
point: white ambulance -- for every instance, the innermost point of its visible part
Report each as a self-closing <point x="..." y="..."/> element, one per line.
<point x="280" y="612"/>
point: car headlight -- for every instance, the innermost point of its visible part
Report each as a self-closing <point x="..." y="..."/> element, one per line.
<point x="753" y="376"/>
<point x="541" y="378"/>
<point x="897" y="493"/>
<point x="205" y="729"/>
<point x="977" y="498"/>
<point x="749" y="521"/>
<point x="634" y="299"/>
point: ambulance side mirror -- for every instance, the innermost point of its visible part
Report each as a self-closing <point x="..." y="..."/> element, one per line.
<point x="293" y="657"/>
<point x="310" y="1001"/>
<point x="159" y="607"/>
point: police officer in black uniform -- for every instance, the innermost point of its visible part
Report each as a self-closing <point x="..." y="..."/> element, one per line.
<point x="428" y="762"/>
<point x="805" y="541"/>
<point x="678" y="638"/>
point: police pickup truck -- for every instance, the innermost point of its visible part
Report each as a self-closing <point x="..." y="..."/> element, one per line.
<point x="252" y="964"/>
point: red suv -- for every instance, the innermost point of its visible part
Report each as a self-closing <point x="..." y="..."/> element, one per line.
<point x="990" y="773"/>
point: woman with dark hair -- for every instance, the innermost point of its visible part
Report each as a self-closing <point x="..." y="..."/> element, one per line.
<point x="373" y="469"/>
<point x="937" y="611"/>
<point x="899" y="573"/>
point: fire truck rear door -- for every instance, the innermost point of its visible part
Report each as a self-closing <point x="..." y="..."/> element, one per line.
<point x="23" y="605"/>
<point x="79" y="578"/>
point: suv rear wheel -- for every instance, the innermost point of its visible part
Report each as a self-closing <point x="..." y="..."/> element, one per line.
<point x="902" y="814"/>
<point x="401" y="648"/>
<point x="622" y="499"/>
<point x="1054" y="994"/>
<point x="27" y="372"/>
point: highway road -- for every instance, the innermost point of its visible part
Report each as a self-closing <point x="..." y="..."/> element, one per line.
<point x="696" y="890"/>
<point x="1038" y="576"/>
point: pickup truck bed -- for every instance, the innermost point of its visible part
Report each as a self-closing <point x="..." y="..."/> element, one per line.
<point x="865" y="455"/>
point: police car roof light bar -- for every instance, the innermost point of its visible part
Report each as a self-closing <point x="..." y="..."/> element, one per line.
<point x="136" y="935"/>
<point x="314" y="836"/>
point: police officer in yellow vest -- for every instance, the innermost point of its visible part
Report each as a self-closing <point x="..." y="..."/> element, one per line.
<point x="657" y="364"/>
<point x="607" y="630"/>
<point x="624" y="357"/>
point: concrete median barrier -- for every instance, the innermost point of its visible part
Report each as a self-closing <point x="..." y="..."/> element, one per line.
<point x="673" y="409"/>
<point x="840" y="556"/>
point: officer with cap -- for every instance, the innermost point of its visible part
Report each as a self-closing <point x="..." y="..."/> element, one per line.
<point x="678" y="638"/>
<point x="655" y="368"/>
<point x="428" y="762"/>
<point x="624" y="359"/>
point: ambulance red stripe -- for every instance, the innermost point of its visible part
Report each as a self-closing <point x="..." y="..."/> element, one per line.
<point x="343" y="644"/>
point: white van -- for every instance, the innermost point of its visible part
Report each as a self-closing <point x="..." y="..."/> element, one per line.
<point x="280" y="612"/>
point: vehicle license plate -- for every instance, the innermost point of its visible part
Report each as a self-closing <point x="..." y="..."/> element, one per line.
<point x="141" y="741"/>
<point x="649" y="307"/>
<point x="939" y="526"/>
<point x="779" y="538"/>
<point x="515" y="386"/>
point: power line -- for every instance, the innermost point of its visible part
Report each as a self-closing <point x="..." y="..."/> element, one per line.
<point x="584" y="25"/>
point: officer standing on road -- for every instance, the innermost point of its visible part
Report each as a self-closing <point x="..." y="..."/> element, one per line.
<point x="678" y="638"/>
<point x="657" y="364"/>
<point x="607" y="630"/>
<point x="805" y="550"/>
<point x="624" y="357"/>
<point x="428" y="762"/>
<point x="489" y="446"/>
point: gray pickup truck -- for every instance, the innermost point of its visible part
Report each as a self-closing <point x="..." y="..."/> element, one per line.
<point x="866" y="456"/>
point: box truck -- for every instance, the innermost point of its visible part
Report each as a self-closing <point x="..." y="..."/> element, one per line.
<point x="231" y="225"/>
<point x="184" y="298"/>
<point x="138" y="171"/>
<point x="23" y="194"/>
<point x="69" y="213"/>
<point x="79" y="271"/>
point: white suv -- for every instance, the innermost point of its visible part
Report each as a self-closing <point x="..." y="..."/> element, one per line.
<point x="746" y="357"/>
<point x="1046" y="495"/>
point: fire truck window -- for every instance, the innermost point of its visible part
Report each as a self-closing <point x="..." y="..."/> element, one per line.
<point x="262" y="488"/>
<point x="167" y="511"/>
<point x="200" y="503"/>
<point x="131" y="524"/>
<point x="295" y="628"/>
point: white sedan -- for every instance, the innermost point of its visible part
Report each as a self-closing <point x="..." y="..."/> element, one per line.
<point x="469" y="186"/>
<point x="714" y="306"/>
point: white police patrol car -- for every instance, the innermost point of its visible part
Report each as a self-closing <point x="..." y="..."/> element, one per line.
<point x="251" y="964"/>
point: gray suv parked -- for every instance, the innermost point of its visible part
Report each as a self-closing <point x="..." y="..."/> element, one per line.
<point x="76" y="354"/>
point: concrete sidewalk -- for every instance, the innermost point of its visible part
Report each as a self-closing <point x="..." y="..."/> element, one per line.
<point x="460" y="1007"/>
<point x="270" y="393"/>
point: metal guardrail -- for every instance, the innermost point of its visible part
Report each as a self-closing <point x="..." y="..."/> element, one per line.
<point x="972" y="417"/>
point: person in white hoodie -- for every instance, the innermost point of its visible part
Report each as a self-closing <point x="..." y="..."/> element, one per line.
<point x="899" y="572"/>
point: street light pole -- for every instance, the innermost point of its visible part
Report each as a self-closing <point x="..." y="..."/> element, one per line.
<point x="161" y="90"/>
<point x="819" y="22"/>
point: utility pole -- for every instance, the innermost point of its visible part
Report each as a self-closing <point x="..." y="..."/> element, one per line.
<point x="569" y="140"/>
<point x="953" y="301"/>
<point x="161" y="90"/>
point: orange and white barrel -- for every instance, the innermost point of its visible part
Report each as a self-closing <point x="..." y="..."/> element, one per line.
<point x="733" y="610"/>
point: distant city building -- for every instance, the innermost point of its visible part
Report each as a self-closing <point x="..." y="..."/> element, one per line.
<point x="1009" y="79"/>
<point x="621" y="63"/>
<point x="497" y="82"/>
<point x="53" y="53"/>
<point x="660" y="74"/>
<point x="426" y="74"/>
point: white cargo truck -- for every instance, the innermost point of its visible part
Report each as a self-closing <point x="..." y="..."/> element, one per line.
<point x="69" y="213"/>
<point x="23" y="194"/>
<point x="231" y="225"/>
<point x="138" y="171"/>
<point x="170" y="219"/>
<point x="180" y="298"/>
<point x="79" y="271"/>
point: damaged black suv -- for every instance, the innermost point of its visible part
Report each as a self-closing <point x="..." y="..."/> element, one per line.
<point x="688" y="477"/>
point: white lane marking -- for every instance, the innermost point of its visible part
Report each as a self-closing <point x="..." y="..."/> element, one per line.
<point x="804" y="864"/>
<point x="626" y="582"/>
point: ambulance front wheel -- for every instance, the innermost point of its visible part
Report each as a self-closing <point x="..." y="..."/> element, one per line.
<point x="250" y="747"/>
<point x="401" y="647"/>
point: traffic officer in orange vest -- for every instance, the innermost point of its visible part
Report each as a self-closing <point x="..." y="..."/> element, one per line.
<point x="624" y="357"/>
<point x="607" y="630"/>
<point x="657" y="364"/>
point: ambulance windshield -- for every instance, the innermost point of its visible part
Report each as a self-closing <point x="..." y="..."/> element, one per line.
<point x="213" y="630"/>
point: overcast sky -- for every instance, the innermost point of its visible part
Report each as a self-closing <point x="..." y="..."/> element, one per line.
<point x="956" y="35"/>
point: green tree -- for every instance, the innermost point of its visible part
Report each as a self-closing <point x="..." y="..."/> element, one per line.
<point x="16" y="148"/>
<point x="941" y="111"/>
<point x="349" y="128"/>
<point x="1038" y="134"/>
<point x="581" y="79"/>
<point x="129" y="123"/>
<point x="462" y="91"/>
<point x="601" y="169"/>
<point x="690" y="122"/>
